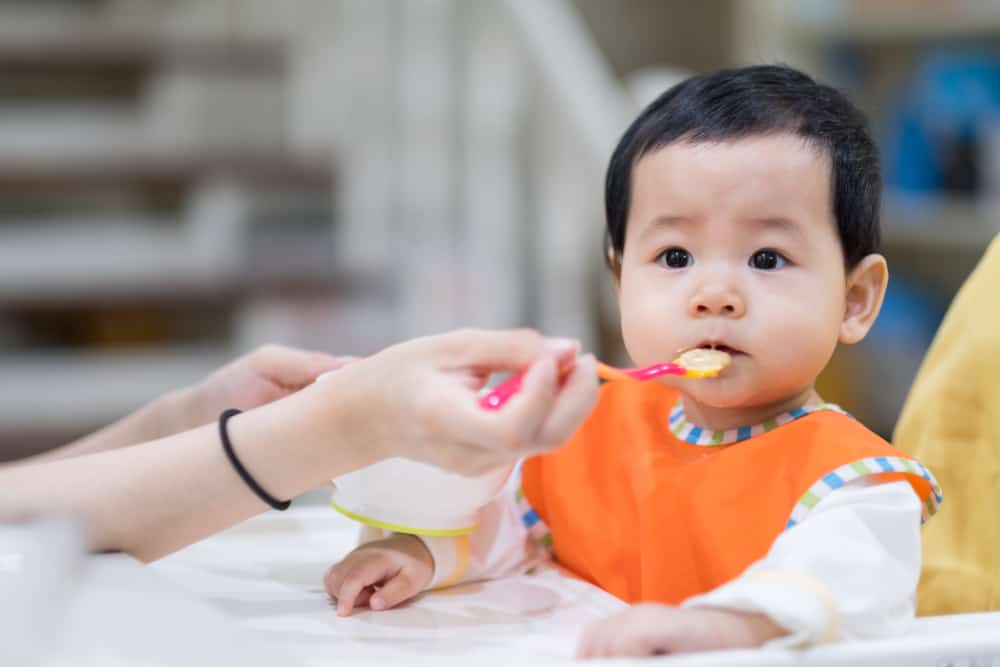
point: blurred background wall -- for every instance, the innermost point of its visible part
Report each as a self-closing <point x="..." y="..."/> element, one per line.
<point x="182" y="180"/>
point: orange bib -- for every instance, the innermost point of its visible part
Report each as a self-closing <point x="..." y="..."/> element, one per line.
<point x="648" y="516"/>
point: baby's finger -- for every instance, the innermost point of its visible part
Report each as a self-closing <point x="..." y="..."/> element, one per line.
<point x="364" y="597"/>
<point x="362" y="575"/>
<point x="334" y="577"/>
<point x="621" y="646"/>
<point x="589" y="640"/>
<point x="398" y="589"/>
<point x="638" y="647"/>
<point x="595" y="648"/>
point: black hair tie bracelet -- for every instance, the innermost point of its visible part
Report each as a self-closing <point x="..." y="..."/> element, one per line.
<point x="227" y="446"/>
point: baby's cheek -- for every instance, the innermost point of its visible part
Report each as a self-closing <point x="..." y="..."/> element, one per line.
<point x="646" y="339"/>
<point x="645" y="304"/>
<point x="802" y="351"/>
<point x="632" y="339"/>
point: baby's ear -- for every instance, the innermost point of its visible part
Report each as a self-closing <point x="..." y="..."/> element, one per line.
<point x="866" y="285"/>
<point x="614" y="262"/>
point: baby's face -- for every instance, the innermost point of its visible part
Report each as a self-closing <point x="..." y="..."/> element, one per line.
<point x="734" y="245"/>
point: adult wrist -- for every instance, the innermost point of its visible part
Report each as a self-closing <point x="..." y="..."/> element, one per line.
<point x="299" y="442"/>
<point x="241" y="470"/>
<point x="354" y="417"/>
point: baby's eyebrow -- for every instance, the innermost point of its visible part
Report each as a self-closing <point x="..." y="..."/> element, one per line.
<point x="780" y="224"/>
<point x="664" y="222"/>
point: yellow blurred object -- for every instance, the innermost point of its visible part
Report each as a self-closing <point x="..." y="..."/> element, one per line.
<point x="951" y="422"/>
<point x="839" y="383"/>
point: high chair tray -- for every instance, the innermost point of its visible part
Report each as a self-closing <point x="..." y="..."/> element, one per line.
<point x="254" y="594"/>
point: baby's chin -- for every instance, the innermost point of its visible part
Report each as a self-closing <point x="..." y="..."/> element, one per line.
<point x="720" y="392"/>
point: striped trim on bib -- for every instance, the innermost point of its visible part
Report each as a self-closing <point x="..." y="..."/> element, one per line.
<point x="863" y="468"/>
<point x="695" y="435"/>
<point x="537" y="528"/>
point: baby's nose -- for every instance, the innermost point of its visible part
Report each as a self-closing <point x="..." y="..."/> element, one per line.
<point x="717" y="300"/>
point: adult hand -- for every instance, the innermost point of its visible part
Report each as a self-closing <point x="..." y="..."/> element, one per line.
<point x="420" y="399"/>
<point x="267" y="374"/>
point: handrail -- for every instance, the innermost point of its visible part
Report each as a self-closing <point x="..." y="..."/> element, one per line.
<point x="572" y="65"/>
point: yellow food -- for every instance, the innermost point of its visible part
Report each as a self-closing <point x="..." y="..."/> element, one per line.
<point x="703" y="362"/>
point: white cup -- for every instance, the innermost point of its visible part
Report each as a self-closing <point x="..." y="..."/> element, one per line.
<point x="40" y="563"/>
<point x="405" y="496"/>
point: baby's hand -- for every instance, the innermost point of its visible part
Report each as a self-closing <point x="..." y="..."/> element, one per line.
<point x="380" y="574"/>
<point x="655" y="629"/>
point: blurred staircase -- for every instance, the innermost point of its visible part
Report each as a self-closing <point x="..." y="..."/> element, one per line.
<point x="155" y="218"/>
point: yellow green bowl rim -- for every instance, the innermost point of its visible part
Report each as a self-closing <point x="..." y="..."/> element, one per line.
<point x="398" y="528"/>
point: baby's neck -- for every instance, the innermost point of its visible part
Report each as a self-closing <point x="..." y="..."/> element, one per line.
<point x="722" y="419"/>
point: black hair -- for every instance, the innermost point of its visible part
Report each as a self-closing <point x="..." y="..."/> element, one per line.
<point x="734" y="104"/>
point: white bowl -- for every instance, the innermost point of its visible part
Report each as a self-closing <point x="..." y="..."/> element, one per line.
<point x="405" y="496"/>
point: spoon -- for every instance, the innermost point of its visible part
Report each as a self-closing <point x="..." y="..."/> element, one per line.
<point x="695" y="364"/>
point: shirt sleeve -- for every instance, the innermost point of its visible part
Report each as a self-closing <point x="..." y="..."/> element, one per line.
<point x="848" y="570"/>
<point x="505" y="543"/>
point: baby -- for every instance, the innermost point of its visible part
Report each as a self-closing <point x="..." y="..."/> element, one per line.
<point x="742" y="215"/>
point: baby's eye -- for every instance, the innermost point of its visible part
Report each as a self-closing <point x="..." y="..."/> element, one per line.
<point x="675" y="258"/>
<point x="768" y="260"/>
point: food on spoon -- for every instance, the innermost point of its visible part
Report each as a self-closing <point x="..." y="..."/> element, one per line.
<point x="702" y="362"/>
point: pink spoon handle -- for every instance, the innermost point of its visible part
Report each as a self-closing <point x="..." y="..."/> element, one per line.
<point x="656" y="370"/>
<point x="502" y="392"/>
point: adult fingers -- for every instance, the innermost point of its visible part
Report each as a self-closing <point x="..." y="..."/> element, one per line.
<point x="293" y="367"/>
<point x="540" y="395"/>
<point x="486" y="348"/>
<point x="513" y="430"/>
<point x="503" y="350"/>
<point x="339" y="362"/>
<point x="571" y="406"/>
<point x="522" y="417"/>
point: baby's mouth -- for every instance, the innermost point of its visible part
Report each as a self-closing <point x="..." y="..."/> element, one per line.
<point x="721" y="347"/>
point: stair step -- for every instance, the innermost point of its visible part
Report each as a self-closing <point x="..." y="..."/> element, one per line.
<point x="160" y="172"/>
<point x="130" y="54"/>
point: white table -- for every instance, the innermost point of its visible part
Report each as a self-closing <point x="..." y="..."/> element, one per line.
<point x="253" y="595"/>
